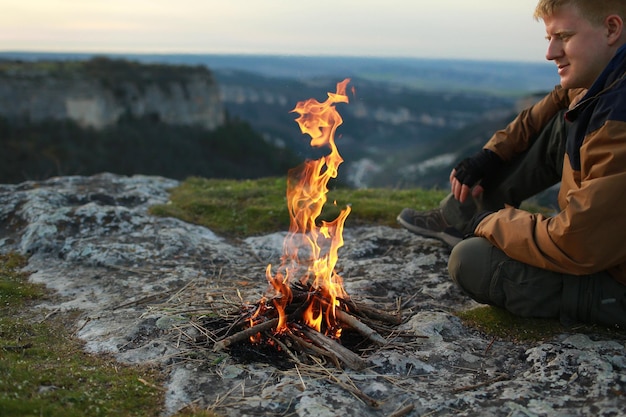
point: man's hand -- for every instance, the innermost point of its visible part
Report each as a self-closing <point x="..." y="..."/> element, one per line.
<point x="461" y="191"/>
<point x="470" y="171"/>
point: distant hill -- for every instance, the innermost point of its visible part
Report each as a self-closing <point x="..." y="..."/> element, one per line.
<point x="494" y="77"/>
<point x="85" y="117"/>
<point x="392" y="136"/>
<point x="430" y="166"/>
<point x="407" y="123"/>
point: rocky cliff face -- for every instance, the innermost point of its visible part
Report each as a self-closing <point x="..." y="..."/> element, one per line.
<point x="98" y="92"/>
<point x="137" y="279"/>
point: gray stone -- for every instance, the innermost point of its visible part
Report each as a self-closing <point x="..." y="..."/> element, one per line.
<point x="92" y="241"/>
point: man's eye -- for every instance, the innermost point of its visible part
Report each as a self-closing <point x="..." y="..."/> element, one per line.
<point x="561" y="37"/>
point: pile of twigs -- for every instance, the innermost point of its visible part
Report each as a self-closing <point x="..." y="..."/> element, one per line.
<point x="299" y="340"/>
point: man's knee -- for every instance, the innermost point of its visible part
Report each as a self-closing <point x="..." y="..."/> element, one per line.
<point x="489" y="276"/>
<point x="469" y="267"/>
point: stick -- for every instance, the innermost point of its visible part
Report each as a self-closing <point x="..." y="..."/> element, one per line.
<point x="251" y="331"/>
<point x="313" y="348"/>
<point x="287" y="350"/>
<point x="244" y="334"/>
<point x="351" y="359"/>
<point x="356" y="324"/>
<point x="402" y="411"/>
<point x="351" y="388"/>
<point x="373" y="313"/>
<point x="360" y="327"/>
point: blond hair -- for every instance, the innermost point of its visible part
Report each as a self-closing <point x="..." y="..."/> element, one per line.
<point x="593" y="10"/>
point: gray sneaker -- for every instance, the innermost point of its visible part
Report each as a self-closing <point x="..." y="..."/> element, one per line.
<point x="431" y="224"/>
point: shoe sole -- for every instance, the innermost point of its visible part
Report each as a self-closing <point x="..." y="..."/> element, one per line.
<point x="447" y="238"/>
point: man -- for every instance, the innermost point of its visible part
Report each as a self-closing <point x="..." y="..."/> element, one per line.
<point x="571" y="265"/>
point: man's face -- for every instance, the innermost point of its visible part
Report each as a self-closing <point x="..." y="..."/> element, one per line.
<point x="578" y="48"/>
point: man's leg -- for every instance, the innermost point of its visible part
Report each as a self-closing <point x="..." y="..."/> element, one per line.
<point x="535" y="170"/>
<point x="530" y="173"/>
<point x="490" y="277"/>
<point x="596" y="298"/>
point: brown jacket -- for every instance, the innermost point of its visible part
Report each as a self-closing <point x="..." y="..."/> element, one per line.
<point x="588" y="235"/>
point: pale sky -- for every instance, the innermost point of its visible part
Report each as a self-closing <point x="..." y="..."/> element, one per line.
<point x="472" y="29"/>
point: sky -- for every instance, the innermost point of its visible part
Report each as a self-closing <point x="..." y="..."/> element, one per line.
<point x="502" y="30"/>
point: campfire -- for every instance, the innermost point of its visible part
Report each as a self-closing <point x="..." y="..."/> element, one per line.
<point x="306" y="308"/>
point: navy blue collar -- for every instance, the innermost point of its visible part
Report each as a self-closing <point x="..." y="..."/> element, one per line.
<point x="614" y="70"/>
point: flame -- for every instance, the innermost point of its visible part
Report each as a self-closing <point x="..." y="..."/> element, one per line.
<point x="307" y="244"/>
<point x="258" y="312"/>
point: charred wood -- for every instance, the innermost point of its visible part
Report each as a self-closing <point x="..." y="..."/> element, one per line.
<point x="245" y="334"/>
<point x="360" y="327"/>
<point x="345" y="355"/>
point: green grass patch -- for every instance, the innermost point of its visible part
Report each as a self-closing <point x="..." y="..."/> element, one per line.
<point x="242" y="208"/>
<point x="499" y="323"/>
<point x="14" y="290"/>
<point x="44" y="370"/>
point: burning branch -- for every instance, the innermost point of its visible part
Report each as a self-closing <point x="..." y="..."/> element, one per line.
<point x="245" y="334"/>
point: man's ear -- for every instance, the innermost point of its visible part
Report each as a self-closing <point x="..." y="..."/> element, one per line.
<point x="615" y="27"/>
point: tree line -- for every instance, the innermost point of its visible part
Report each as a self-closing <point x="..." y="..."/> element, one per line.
<point x="35" y="151"/>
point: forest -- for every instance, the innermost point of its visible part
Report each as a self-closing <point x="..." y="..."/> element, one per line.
<point x="34" y="151"/>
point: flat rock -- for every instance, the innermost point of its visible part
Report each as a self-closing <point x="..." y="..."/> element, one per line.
<point x="92" y="240"/>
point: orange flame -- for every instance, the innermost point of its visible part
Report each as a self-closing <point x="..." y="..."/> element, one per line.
<point x="307" y="244"/>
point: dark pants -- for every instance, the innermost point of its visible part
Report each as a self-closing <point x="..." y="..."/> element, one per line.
<point x="489" y="276"/>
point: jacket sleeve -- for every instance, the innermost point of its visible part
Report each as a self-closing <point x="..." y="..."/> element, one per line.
<point x="520" y="133"/>
<point x="587" y="236"/>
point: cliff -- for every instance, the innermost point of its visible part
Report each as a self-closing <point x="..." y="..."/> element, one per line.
<point x="98" y="92"/>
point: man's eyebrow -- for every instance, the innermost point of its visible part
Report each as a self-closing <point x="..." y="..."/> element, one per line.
<point x="560" y="34"/>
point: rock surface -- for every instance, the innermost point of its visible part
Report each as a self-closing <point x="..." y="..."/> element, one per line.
<point x="92" y="240"/>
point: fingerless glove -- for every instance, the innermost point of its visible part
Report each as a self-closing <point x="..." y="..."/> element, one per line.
<point x="473" y="169"/>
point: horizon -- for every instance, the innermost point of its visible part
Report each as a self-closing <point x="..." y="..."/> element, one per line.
<point x="483" y="30"/>
<point x="4" y="53"/>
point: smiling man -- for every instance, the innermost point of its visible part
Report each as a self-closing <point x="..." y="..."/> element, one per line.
<point x="570" y="265"/>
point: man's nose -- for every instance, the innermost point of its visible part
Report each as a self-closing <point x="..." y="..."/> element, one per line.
<point x="555" y="50"/>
